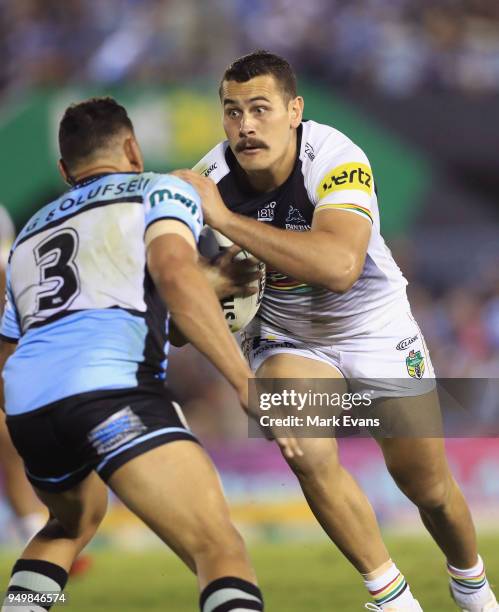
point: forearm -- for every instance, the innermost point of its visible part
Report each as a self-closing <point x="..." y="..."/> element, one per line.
<point x="197" y="315"/>
<point x="313" y="257"/>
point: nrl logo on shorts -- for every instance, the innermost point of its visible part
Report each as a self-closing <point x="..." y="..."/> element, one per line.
<point x="415" y="364"/>
<point x="403" y="344"/>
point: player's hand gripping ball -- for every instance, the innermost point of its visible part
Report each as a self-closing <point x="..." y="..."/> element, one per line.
<point x="238" y="279"/>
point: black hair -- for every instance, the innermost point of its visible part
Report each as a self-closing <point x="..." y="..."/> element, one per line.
<point x="88" y="126"/>
<point x="260" y="63"/>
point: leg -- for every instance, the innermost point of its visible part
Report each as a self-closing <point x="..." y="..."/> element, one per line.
<point x="334" y="497"/>
<point x="175" y="490"/>
<point x="28" y="510"/>
<point x="74" y="518"/>
<point x="419" y="467"/>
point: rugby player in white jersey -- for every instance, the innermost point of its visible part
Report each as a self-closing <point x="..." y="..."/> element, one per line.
<point x="301" y="197"/>
<point x="92" y="282"/>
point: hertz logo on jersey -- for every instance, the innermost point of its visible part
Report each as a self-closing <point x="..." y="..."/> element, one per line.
<point x="354" y="175"/>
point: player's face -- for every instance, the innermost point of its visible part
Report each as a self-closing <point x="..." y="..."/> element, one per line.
<point x="260" y="123"/>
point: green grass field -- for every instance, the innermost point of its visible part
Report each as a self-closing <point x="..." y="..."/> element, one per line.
<point x="294" y="577"/>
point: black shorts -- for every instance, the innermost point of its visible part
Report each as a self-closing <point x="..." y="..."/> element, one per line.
<point x="63" y="442"/>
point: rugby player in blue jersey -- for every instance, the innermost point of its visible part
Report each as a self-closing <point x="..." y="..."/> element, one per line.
<point x="29" y="513"/>
<point x="92" y="281"/>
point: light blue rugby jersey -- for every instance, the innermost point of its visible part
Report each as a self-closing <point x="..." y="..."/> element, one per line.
<point x="80" y="302"/>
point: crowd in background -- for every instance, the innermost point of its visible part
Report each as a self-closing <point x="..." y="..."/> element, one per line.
<point x="396" y="46"/>
<point x="461" y="325"/>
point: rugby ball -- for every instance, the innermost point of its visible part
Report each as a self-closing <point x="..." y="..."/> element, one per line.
<point x="239" y="311"/>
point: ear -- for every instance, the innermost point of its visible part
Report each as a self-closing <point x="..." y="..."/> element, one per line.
<point x="133" y="154"/>
<point x="64" y="173"/>
<point x="295" y="108"/>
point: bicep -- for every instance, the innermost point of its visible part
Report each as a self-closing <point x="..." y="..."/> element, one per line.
<point x="169" y="244"/>
<point x="349" y="230"/>
<point x="164" y="227"/>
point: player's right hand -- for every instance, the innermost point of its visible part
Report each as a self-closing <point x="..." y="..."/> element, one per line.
<point x="230" y="277"/>
<point x="290" y="447"/>
<point x="214" y="209"/>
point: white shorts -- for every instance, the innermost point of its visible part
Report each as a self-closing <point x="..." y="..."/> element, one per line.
<point x="391" y="362"/>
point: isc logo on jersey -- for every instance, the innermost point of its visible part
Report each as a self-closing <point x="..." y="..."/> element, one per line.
<point x="354" y="175"/>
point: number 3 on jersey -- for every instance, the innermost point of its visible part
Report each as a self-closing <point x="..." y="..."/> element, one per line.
<point x="59" y="278"/>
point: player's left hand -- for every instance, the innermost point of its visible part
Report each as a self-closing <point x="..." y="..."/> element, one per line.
<point x="214" y="209"/>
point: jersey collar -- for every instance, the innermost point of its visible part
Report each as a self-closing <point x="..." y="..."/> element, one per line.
<point x="95" y="177"/>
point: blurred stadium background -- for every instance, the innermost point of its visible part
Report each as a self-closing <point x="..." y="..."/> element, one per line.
<point x="416" y="84"/>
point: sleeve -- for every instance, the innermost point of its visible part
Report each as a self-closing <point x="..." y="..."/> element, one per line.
<point x="342" y="179"/>
<point x="214" y="165"/>
<point x="169" y="197"/>
<point x="10" y="329"/>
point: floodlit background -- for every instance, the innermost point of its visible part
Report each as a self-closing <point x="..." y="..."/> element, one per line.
<point x="414" y="82"/>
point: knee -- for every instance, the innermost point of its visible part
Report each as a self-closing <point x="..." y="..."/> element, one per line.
<point x="223" y="541"/>
<point x="96" y="516"/>
<point x="317" y="464"/>
<point x="82" y="526"/>
<point x="428" y="494"/>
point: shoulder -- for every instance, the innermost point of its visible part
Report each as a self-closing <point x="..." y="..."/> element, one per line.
<point x="169" y="197"/>
<point x="331" y="161"/>
<point x="214" y="163"/>
<point x="324" y="143"/>
<point x="36" y="222"/>
<point x="159" y="186"/>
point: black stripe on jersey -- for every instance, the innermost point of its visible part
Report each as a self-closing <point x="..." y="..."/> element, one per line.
<point x="155" y="340"/>
<point x="67" y="313"/>
<point x="9" y="339"/>
<point x="95" y="177"/>
<point x="166" y="218"/>
<point x="129" y="200"/>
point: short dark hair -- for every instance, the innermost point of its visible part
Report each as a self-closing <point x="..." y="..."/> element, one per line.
<point x="88" y="126"/>
<point x="260" y="63"/>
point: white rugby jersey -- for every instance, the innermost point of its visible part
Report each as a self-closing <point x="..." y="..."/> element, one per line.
<point x="330" y="172"/>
